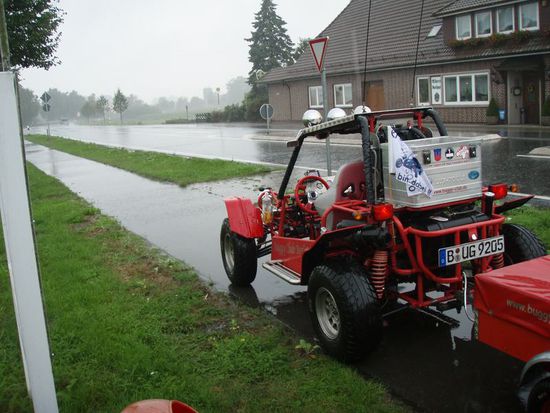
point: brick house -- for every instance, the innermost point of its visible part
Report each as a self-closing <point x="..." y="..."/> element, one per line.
<point x="469" y="52"/>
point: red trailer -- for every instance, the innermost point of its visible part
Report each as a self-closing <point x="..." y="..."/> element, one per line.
<point x="513" y="316"/>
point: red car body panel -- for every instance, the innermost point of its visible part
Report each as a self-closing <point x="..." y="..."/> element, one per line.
<point x="244" y="218"/>
<point x="290" y="251"/>
<point x="513" y="306"/>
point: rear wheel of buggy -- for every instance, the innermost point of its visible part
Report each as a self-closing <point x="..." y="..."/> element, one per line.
<point x="520" y="244"/>
<point x="344" y="310"/>
<point x="238" y="255"/>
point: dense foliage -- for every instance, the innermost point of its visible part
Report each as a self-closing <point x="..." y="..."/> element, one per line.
<point x="33" y="32"/>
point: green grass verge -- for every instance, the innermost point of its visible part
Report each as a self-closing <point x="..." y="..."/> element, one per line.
<point x="158" y="166"/>
<point x="536" y="219"/>
<point x="127" y="323"/>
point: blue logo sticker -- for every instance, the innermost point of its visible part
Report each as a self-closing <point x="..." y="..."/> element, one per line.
<point x="473" y="175"/>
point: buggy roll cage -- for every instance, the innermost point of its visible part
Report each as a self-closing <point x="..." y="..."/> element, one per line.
<point x="365" y="124"/>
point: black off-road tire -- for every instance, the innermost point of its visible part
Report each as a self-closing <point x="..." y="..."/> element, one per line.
<point x="539" y="398"/>
<point x="238" y="255"/>
<point x="520" y="244"/>
<point x="355" y="327"/>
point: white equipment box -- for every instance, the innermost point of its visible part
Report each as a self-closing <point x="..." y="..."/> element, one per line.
<point x="453" y="165"/>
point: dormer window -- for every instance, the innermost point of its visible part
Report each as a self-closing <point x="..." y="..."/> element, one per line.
<point x="435" y="30"/>
<point x="529" y="16"/>
<point x="483" y="24"/>
<point x="505" y="20"/>
<point x="463" y="27"/>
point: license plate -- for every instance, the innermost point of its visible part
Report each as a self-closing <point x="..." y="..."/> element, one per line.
<point x="470" y="251"/>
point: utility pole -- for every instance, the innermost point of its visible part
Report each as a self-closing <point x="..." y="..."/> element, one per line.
<point x="19" y="240"/>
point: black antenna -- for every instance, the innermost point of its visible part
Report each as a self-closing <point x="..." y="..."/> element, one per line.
<point x="416" y="54"/>
<point x="366" y="55"/>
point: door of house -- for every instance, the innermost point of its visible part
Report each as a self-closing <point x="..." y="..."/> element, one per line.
<point x="375" y="95"/>
<point x="531" y="97"/>
<point x="515" y="97"/>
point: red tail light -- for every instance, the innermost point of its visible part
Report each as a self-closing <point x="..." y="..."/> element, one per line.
<point x="382" y="212"/>
<point x="500" y="190"/>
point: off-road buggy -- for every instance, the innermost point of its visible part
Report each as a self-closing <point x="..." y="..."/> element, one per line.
<point x="374" y="239"/>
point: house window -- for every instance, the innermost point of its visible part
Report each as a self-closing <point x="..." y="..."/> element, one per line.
<point x="423" y="90"/>
<point x="481" y="83"/>
<point x="434" y="31"/>
<point x="315" y="96"/>
<point x="529" y="16"/>
<point x="342" y="95"/>
<point x="484" y="24"/>
<point x="505" y="20"/>
<point x="463" y="27"/>
<point x="450" y="90"/>
<point x="467" y="89"/>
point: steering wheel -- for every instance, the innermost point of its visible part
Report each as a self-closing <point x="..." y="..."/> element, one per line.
<point x="305" y="188"/>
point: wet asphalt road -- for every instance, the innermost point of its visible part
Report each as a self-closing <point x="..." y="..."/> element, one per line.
<point x="428" y="364"/>
<point x="500" y="160"/>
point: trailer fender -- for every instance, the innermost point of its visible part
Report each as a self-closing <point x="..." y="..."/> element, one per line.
<point x="244" y="218"/>
<point x="535" y="370"/>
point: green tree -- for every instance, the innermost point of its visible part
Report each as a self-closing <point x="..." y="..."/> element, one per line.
<point x="102" y="106"/>
<point x="120" y="103"/>
<point x="301" y="47"/>
<point x="29" y="105"/>
<point x="270" y="45"/>
<point x="33" y="32"/>
<point x="89" y="108"/>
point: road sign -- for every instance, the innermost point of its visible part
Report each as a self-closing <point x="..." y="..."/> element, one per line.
<point x="318" y="49"/>
<point x="45" y="97"/>
<point x="46" y="107"/>
<point x="266" y="111"/>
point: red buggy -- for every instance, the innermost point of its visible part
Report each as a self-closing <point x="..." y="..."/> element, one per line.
<point x="407" y="225"/>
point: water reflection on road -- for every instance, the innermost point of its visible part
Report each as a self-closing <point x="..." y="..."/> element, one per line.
<point x="431" y="365"/>
<point x="500" y="163"/>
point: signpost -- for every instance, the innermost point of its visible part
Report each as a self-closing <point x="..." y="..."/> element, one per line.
<point x="318" y="49"/>
<point x="45" y="98"/>
<point x="266" y="112"/>
<point x="19" y="241"/>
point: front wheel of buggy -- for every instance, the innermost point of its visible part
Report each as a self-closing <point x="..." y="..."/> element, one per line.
<point x="238" y="255"/>
<point x="520" y="244"/>
<point x="344" y="311"/>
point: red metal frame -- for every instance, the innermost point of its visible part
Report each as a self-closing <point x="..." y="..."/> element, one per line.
<point x="419" y="268"/>
<point x="410" y="241"/>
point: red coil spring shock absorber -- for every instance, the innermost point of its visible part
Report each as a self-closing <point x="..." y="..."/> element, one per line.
<point x="497" y="261"/>
<point x="379" y="272"/>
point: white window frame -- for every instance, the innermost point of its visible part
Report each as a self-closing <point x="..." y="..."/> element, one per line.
<point x="318" y="93"/>
<point x="427" y="78"/>
<point x="456" y="27"/>
<point x="343" y="86"/>
<point x="473" y="102"/>
<point x="513" y="20"/>
<point x="521" y="6"/>
<point x="490" y="23"/>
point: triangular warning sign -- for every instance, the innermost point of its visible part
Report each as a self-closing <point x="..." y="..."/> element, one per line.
<point x="318" y="48"/>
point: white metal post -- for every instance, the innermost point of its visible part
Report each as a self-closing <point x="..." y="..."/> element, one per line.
<point x="21" y="254"/>
<point x="325" y="108"/>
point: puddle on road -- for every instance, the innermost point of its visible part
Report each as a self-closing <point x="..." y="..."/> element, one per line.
<point x="429" y="364"/>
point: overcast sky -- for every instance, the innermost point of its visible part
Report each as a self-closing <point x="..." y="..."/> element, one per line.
<point x="165" y="47"/>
